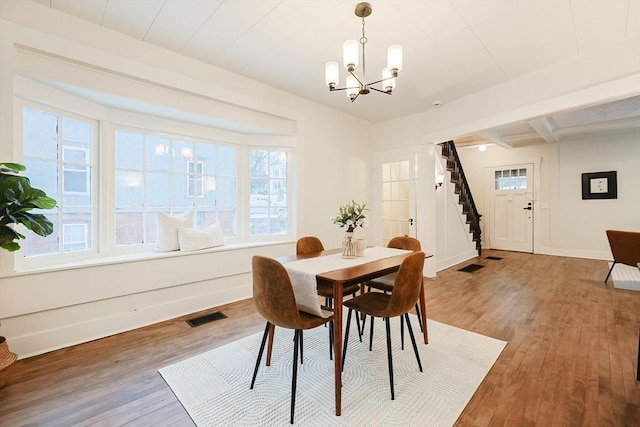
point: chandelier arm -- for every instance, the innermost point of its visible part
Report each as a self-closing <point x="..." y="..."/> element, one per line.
<point x="380" y="81"/>
<point x="354" y="98"/>
<point x="381" y="91"/>
<point x="357" y="78"/>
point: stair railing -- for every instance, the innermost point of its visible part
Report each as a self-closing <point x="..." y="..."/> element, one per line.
<point x="462" y="189"/>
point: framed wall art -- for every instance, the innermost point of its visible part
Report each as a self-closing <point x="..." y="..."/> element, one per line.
<point x="599" y="185"/>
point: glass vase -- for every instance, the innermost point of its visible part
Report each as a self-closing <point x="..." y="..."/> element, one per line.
<point x="349" y="248"/>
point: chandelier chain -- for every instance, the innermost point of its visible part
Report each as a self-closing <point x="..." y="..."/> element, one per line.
<point x="363" y="41"/>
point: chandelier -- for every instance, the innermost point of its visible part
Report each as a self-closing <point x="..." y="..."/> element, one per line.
<point x="355" y="85"/>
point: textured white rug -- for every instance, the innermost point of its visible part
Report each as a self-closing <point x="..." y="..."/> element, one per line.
<point x="214" y="386"/>
<point x="625" y="277"/>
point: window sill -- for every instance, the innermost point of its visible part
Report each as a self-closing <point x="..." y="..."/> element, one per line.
<point x="140" y="256"/>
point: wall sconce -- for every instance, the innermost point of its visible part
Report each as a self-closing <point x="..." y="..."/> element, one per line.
<point x="439" y="180"/>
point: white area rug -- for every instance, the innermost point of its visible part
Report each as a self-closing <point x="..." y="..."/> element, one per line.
<point x="214" y="386"/>
<point x="625" y="277"/>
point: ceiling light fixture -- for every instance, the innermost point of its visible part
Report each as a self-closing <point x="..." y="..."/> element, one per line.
<point x="355" y="85"/>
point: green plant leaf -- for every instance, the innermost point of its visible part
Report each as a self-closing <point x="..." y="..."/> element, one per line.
<point x="7" y="237"/>
<point x="37" y="223"/>
<point x="17" y="199"/>
<point x="12" y="167"/>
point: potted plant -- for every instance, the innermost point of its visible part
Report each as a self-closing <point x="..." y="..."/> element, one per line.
<point x="351" y="216"/>
<point x="17" y="199"/>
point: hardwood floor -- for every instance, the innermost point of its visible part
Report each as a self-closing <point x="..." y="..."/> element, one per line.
<point x="571" y="357"/>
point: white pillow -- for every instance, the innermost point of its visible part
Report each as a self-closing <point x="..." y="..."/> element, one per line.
<point x="167" y="235"/>
<point x="192" y="239"/>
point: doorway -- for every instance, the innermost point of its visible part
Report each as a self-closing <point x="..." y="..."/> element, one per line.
<point x="396" y="190"/>
<point x="511" y="207"/>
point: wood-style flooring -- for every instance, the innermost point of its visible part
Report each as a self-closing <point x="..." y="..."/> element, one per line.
<point x="571" y="358"/>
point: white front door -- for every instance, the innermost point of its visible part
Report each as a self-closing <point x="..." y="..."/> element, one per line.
<point x="396" y="191"/>
<point x="511" y="208"/>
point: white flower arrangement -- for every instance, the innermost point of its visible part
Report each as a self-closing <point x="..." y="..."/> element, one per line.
<point x="351" y="216"/>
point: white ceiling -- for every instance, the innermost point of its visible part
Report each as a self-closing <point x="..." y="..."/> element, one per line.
<point x="451" y="48"/>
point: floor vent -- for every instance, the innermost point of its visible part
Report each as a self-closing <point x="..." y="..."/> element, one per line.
<point x="471" y="268"/>
<point x="208" y="318"/>
<point x="497" y="258"/>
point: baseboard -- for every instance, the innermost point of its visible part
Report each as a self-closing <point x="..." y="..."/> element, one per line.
<point x="574" y="253"/>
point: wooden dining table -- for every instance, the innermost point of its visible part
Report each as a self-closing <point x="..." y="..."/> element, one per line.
<point x="358" y="274"/>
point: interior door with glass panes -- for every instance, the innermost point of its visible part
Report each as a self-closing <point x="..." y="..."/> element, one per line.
<point x="398" y="198"/>
<point x="511" y="208"/>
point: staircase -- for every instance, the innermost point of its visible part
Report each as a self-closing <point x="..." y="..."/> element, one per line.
<point x="463" y="191"/>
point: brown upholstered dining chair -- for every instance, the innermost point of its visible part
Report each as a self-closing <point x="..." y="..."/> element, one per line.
<point x="404" y="294"/>
<point x="312" y="244"/>
<point x="385" y="283"/>
<point x="274" y="298"/>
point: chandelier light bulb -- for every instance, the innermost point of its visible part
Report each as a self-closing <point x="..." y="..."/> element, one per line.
<point x="331" y="75"/>
<point x="353" y="87"/>
<point x="350" y="54"/>
<point x="394" y="58"/>
<point x="388" y="80"/>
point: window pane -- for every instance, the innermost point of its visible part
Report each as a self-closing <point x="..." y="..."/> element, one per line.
<point x="268" y="188"/>
<point x="38" y="245"/>
<point x="183" y="154"/>
<point x="227" y="219"/>
<point x="129" y="189"/>
<point x="75" y="179"/>
<point x="206" y="155"/>
<point x="209" y="192"/>
<point x="129" y="150"/>
<point x="258" y="161"/>
<point x="157" y="189"/>
<point x="40" y="133"/>
<point x="278" y="223"/>
<point x="226" y="192"/>
<point x="259" y="221"/>
<point x="183" y="191"/>
<point x="158" y="153"/>
<point x="75" y="235"/>
<point x="40" y="174"/>
<point x="77" y="134"/>
<point x="228" y="161"/>
<point x="129" y="227"/>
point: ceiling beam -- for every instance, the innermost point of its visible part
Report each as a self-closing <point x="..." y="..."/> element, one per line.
<point x="495" y="137"/>
<point x="596" y="128"/>
<point x="521" y="137"/>
<point x="545" y="128"/>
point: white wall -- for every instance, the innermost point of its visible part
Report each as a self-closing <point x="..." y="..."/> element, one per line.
<point x="581" y="224"/>
<point x="43" y="311"/>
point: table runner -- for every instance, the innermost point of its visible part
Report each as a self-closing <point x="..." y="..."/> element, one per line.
<point x="303" y="274"/>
